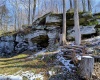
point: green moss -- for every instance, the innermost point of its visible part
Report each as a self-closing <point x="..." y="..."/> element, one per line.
<point x="93" y="22"/>
<point x="82" y="21"/>
<point x="23" y="63"/>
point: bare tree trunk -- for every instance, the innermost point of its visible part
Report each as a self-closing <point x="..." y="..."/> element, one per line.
<point x="18" y="19"/>
<point x="34" y="9"/>
<point x="70" y="4"/>
<point x="84" y="5"/>
<point x="76" y="23"/>
<point x="63" y="36"/>
<point x="89" y="6"/>
<point x="29" y="13"/>
<point x="15" y="22"/>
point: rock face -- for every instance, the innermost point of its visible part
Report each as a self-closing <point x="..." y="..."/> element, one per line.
<point x="85" y="30"/>
<point x="6" y="45"/>
<point x="21" y="46"/>
<point x="45" y="31"/>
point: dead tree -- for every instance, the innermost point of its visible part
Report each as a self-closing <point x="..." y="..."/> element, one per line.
<point x="76" y="23"/>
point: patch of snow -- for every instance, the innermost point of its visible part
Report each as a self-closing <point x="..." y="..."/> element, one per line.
<point x="51" y="73"/>
<point x="65" y="62"/>
<point x="72" y="44"/>
<point x="78" y="57"/>
<point x="87" y="57"/>
<point x="90" y="50"/>
<point x="29" y="75"/>
<point x="93" y="39"/>
<point x="10" y="77"/>
<point x="32" y="76"/>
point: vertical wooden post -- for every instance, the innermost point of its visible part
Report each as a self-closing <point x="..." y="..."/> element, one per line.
<point x="86" y="66"/>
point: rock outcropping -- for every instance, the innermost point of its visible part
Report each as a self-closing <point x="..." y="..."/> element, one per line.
<point x="45" y="31"/>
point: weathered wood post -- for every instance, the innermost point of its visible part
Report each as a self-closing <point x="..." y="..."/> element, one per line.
<point x="86" y="66"/>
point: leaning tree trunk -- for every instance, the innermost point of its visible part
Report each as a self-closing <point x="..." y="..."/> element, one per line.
<point x="63" y="36"/>
<point x="76" y="23"/>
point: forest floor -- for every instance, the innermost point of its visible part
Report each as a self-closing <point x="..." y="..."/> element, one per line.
<point x="47" y="66"/>
<point x="97" y="69"/>
<point x="23" y="63"/>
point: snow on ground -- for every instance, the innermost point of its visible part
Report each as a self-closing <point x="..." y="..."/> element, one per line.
<point x="78" y="57"/>
<point x="66" y="63"/>
<point x="29" y="75"/>
<point x="10" y="77"/>
<point x="93" y="39"/>
<point x="32" y="76"/>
